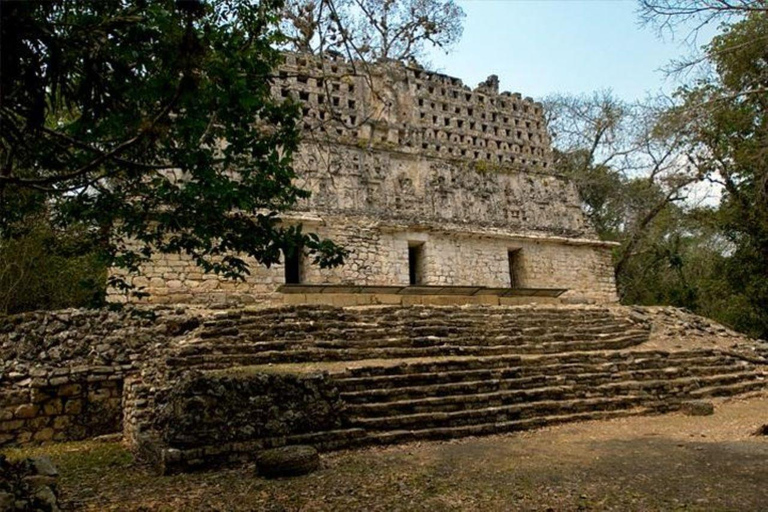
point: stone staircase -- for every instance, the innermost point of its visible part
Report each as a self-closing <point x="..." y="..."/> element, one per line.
<point x="484" y="395"/>
<point x="409" y="373"/>
<point x="293" y="335"/>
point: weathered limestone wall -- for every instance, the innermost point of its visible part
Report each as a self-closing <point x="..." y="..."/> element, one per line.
<point x="62" y="405"/>
<point x="380" y="258"/>
<point x="62" y="373"/>
<point x="207" y="408"/>
<point x="388" y="185"/>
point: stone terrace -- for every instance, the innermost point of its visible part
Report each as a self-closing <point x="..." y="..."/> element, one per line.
<point x="192" y="388"/>
<point x="346" y="377"/>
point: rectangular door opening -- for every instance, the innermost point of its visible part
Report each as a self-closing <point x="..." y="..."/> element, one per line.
<point x="416" y="263"/>
<point x="293" y="265"/>
<point x="514" y="267"/>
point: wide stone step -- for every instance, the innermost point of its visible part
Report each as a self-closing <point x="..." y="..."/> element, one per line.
<point x="624" y="338"/>
<point x="185" y="459"/>
<point x="516" y="405"/>
<point x="607" y="371"/>
<point x="513" y="378"/>
<point x="643" y="359"/>
<point x="460" y="402"/>
<point x="736" y="388"/>
<point x="303" y="353"/>
<point x="293" y="323"/>
<point x="480" y="429"/>
<point x="586" y="385"/>
<point x="361" y="330"/>
<point x="397" y="313"/>
<point x="389" y="339"/>
<point x="495" y="414"/>
<point x="351" y="384"/>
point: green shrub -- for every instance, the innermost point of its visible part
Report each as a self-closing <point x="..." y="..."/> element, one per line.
<point x="46" y="269"/>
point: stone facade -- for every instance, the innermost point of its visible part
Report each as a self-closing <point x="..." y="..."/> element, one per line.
<point x="380" y="258"/>
<point x="397" y="157"/>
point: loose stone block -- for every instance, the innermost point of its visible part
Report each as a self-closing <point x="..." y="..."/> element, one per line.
<point x="287" y="461"/>
<point x="698" y="408"/>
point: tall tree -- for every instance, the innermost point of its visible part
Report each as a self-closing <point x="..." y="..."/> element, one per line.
<point x="152" y="127"/>
<point x="625" y="163"/>
<point x="724" y="117"/>
<point x="670" y="14"/>
<point x="372" y="30"/>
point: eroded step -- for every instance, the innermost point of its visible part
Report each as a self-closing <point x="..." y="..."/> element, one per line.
<point x="188" y="458"/>
<point x="300" y="352"/>
<point x="506" y="390"/>
<point x="555" y="388"/>
<point x="243" y="342"/>
<point x="495" y="414"/>
<point x="575" y="372"/>
<point x="402" y="436"/>
<point x="757" y="384"/>
<point x="556" y="362"/>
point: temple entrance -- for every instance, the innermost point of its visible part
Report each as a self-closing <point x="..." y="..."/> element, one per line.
<point x="513" y="255"/>
<point x="293" y="265"/>
<point x="416" y="263"/>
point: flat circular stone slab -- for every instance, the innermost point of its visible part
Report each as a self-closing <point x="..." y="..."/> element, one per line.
<point x="287" y="461"/>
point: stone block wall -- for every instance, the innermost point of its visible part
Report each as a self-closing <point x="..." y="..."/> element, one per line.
<point x="61" y="405"/>
<point x="62" y="373"/>
<point x="379" y="257"/>
<point x="208" y="408"/>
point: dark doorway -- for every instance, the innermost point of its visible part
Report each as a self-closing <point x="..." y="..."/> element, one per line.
<point x="415" y="263"/>
<point x="514" y="268"/>
<point x="293" y="266"/>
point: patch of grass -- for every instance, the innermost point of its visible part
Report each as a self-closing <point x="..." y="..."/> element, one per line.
<point x="639" y="463"/>
<point x="80" y="457"/>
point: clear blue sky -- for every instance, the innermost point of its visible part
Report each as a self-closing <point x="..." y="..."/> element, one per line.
<point x="539" y="47"/>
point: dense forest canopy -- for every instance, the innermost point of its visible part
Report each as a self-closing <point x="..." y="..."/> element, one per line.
<point x="641" y="168"/>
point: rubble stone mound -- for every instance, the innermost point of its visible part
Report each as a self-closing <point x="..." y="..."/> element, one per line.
<point x="28" y="485"/>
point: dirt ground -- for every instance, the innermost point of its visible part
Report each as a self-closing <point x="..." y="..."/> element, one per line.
<point x="670" y="462"/>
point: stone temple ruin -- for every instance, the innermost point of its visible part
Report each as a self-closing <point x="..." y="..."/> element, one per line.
<point x="477" y="300"/>
<point x="442" y="190"/>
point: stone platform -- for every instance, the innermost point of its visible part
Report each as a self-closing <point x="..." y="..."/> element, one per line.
<point x="197" y="388"/>
<point x="344" y="296"/>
